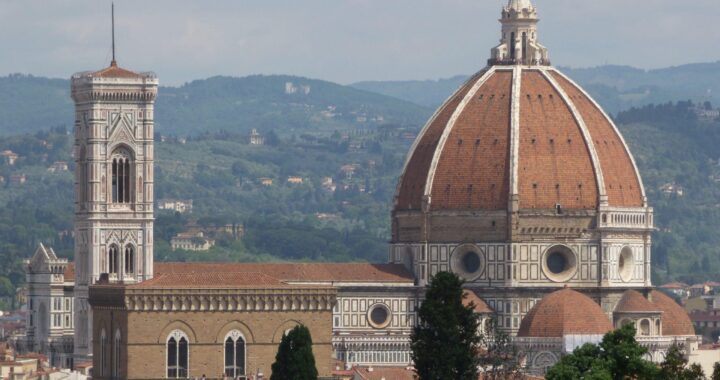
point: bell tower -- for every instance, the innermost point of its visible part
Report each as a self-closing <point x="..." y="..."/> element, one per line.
<point x="113" y="154"/>
<point x="519" y="42"/>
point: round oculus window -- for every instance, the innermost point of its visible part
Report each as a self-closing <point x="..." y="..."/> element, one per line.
<point x="559" y="263"/>
<point x="379" y="316"/>
<point x="467" y="261"/>
<point x="471" y="262"/>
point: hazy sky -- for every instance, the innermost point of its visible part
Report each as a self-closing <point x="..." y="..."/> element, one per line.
<point x="341" y="40"/>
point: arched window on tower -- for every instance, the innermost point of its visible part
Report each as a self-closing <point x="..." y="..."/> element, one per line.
<point x="113" y="259"/>
<point x="512" y="45"/>
<point x="524" y="48"/>
<point x="121" y="168"/>
<point x="234" y="354"/>
<point x="129" y="259"/>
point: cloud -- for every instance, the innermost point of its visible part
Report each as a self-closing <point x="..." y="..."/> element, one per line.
<point x="341" y="40"/>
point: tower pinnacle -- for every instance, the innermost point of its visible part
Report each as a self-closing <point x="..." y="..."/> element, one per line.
<point x="112" y="23"/>
<point x="519" y="44"/>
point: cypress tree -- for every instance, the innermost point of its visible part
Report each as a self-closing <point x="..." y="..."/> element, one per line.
<point x="295" y="359"/>
<point x="445" y="342"/>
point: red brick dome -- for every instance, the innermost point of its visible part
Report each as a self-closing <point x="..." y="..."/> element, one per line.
<point x="519" y="132"/>
<point x="675" y="321"/>
<point x="564" y="312"/>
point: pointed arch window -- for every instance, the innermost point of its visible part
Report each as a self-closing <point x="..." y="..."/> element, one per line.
<point x="103" y="352"/>
<point x="129" y="259"/>
<point x="177" y="355"/>
<point x="234" y="354"/>
<point x="122" y="190"/>
<point x="116" y="355"/>
<point x="113" y="259"/>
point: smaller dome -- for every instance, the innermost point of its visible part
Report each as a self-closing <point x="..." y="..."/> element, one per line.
<point x="675" y="321"/>
<point x="564" y="312"/>
<point x="634" y="302"/>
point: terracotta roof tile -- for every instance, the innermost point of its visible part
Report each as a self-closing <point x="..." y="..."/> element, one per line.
<point x="675" y="285"/>
<point x="555" y="165"/>
<point x="621" y="179"/>
<point x="412" y="185"/>
<point x="675" y="321"/>
<point x="70" y="272"/>
<point x="114" y="71"/>
<point x="386" y="373"/>
<point x="634" y="302"/>
<point x="564" y="312"/>
<point x="211" y="280"/>
<point x="480" y="306"/>
<point x="298" y="272"/>
<point x="473" y="168"/>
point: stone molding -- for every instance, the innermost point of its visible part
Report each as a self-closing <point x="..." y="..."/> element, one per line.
<point x="209" y="300"/>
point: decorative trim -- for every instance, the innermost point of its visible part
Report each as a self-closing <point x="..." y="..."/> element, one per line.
<point x="599" y="178"/>
<point x="424" y="130"/>
<point x="209" y="300"/>
<point x="617" y="132"/>
<point x="515" y="131"/>
<point x="448" y="129"/>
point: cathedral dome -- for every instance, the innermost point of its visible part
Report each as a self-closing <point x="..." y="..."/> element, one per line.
<point x="519" y="134"/>
<point x="524" y="132"/>
<point x="564" y="312"/>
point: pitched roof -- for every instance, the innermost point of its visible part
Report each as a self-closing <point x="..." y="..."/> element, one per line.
<point x="385" y="373"/>
<point x="480" y="306"/>
<point x="675" y="321"/>
<point x="211" y="280"/>
<point x="298" y="272"/>
<point x="114" y="71"/>
<point x="634" y="302"/>
<point x="564" y="312"/>
<point x="675" y="285"/>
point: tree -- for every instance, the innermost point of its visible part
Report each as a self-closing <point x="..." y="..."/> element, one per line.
<point x="617" y="357"/>
<point x="716" y="372"/>
<point x="445" y="343"/>
<point x="498" y="356"/>
<point x="295" y="359"/>
<point x="676" y="367"/>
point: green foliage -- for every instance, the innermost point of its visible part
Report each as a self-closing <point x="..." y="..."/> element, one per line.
<point x="675" y="366"/>
<point x="295" y="359"/>
<point x="445" y="342"/>
<point x="498" y="356"/>
<point x="617" y="357"/>
<point x="716" y="372"/>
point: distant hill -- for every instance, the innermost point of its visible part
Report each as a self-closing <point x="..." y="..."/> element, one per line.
<point x="428" y="93"/>
<point x="617" y="88"/>
<point x="29" y="104"/>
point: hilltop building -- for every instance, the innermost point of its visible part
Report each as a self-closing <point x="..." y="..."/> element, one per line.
<point x="178" y="205"/>
<point x="256" y="138"/>
<point x="191" y="241"/>
<point x="520" y="184"/>
<point x="9" y="157"/>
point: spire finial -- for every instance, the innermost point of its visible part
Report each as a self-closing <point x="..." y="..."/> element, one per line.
<point x="112" y="16"/>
